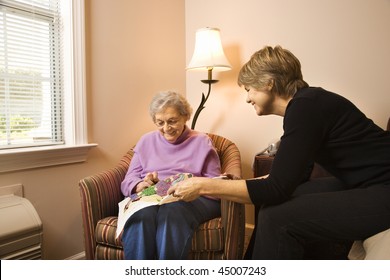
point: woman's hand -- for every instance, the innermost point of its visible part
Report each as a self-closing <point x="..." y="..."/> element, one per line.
<point x="192" y="188"/>
<point x="230" y="176"/>
<point x="188" y="189"/>
<point x="150" y="179"/>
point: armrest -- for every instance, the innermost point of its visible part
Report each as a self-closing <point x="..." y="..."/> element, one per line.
<point x="231" y="161"/>
<point x="232" y="213"/>
<point x="102" y="192"/>
<point x="233" y="218"/>
<point x="100" y="195"/>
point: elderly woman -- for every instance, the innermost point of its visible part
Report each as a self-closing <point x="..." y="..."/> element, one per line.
<point x="165" y="231"/>
<point x="319" y="126"/>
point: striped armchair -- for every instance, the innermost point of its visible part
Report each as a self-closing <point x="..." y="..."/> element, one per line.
<point x="220" y="238"/>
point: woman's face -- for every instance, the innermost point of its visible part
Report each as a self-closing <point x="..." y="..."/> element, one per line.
<point x="170" y="123"/>
<point x="262" y="101"/>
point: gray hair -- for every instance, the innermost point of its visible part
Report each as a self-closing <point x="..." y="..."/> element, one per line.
<point x="165" y="99"/>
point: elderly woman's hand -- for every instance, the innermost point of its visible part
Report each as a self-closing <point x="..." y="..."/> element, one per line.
<point x="150" y="179"/>
<point x="188" y="189"/>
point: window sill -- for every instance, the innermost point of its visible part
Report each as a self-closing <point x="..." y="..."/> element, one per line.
<point x="28" y="158"/>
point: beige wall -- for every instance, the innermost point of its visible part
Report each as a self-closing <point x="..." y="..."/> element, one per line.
<point x="343" y="46"/>
<point x="135" y="48"/>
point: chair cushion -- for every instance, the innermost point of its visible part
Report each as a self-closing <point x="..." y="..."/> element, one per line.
<point x="375" y="247"/>
<point x="103" y="252"/>
<point x="105" y="232"/>
<point x="209" y="236"/>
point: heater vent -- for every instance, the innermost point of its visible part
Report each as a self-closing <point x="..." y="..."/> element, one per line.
<point x="21" y="229"/>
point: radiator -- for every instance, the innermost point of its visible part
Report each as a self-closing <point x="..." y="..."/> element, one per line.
<point x="20" y="229"/>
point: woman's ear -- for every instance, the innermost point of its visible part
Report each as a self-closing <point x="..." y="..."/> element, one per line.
<point x="270" y="84"/>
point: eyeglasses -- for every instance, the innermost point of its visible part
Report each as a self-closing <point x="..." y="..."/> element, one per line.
<point x="170" y="122"/>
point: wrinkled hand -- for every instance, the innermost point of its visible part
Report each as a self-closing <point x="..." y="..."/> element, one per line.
<point x="188" y="189"/>
<point x="151" y="178"/>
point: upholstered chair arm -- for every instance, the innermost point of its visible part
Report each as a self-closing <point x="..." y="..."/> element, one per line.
<point x="100" y="195"/>
<point x="231" y="160"/>
<point x="233" y="217"/>
<point x="232" y="213"/>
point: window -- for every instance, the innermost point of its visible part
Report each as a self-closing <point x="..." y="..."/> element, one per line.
<point x="42" y="87"/>
<point x="30" y="71"/>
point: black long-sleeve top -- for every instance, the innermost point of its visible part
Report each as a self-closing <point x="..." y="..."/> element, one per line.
<point x="323" y="127"/>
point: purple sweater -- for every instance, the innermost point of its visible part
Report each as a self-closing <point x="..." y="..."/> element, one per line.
<point x="193" y="152"/>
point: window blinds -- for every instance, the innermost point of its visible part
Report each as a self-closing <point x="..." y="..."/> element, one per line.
<point x="31" y="107"/>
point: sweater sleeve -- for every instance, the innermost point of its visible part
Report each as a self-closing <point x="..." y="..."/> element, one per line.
<point x="133" y="176"/>
<point x="303" y="135"/>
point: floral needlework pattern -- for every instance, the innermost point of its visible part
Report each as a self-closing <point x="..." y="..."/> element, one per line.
<point x="153" y="195"/>
<point x="161" y="187"/>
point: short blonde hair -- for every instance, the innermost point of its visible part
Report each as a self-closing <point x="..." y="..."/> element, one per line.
<point x="165" y="99"/>
<point x="276" y="68"/>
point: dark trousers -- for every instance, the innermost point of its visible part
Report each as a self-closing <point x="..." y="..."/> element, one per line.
<point x="321" y="210"/>
<point x="165" y="232"/>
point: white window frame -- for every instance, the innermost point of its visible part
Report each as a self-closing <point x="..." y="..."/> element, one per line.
<point x="76" y="144"/>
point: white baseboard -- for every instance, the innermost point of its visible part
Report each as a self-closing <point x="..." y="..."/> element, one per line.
<point x="249" y="226"/>
<point x="248" y="233"/>
<point x="79" y="256"/>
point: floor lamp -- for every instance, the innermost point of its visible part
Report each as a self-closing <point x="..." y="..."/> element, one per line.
<point x="208" y="55"/>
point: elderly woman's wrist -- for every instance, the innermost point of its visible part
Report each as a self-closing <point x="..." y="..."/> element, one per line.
<point x="205" y="186"/>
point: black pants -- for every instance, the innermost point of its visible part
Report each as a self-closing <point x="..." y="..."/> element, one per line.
<point x="321" y="210"/>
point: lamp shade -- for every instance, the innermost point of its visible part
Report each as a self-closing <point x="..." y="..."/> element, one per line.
<point x="208" y="52"/>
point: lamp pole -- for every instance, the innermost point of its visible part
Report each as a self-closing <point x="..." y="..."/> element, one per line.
<point x="209" y="81"/>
